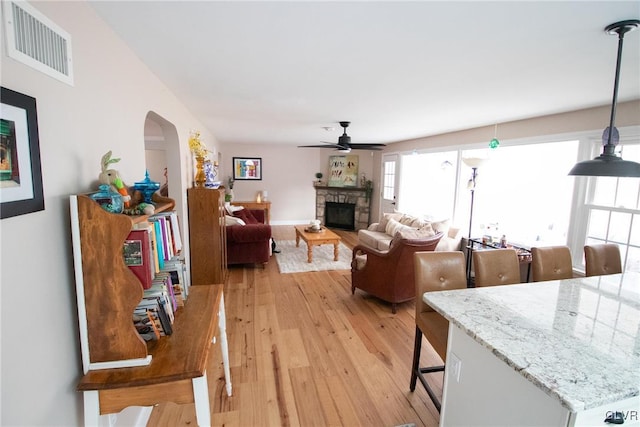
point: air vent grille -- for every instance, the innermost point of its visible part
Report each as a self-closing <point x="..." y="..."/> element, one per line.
<point x="37" y="42"/>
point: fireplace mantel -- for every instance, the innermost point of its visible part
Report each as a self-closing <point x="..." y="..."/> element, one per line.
<point x="355" y="195"/>
<point x="319" y="187"/>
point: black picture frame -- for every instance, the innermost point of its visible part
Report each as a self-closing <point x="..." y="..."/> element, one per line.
<point x="21" y="189"/>
<point x="247" y="168"/>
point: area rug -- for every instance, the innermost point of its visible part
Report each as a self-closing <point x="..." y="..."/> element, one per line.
<point x="294" y="260"/>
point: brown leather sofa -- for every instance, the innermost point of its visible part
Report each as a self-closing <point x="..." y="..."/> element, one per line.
<point x="250" y="243"/>
<point x="389" y="275"/>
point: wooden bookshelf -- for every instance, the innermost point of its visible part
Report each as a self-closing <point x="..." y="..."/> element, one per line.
<point x="172" y="368"/>
<point x="107" y="290"/>
<point x="207" y="236"/>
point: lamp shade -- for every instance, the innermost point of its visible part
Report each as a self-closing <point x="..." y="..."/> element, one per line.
<point x="607" y="165"/>
<point x="474" y="162"/>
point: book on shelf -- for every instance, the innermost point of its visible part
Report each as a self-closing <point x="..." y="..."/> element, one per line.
<point x="161" y="223"/>
<point x="137" y="256"/>
<point x="156" y="308"/>
<point x="154" y="249"/>
<point x="174" y="227"/>
<point x="177" y="269"/>
<point x="158" y="245"/>
<point x="146" y="325"/>
<point x="165" y="319"/>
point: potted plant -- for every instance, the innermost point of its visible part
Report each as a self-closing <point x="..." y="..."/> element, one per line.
<point x="319" y="176"/>
<point x="368" y="189"/>
<point x="228" y="197"/>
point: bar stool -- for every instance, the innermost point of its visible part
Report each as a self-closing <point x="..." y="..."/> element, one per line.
<point x="602" y="259"/>
<point x="551" y="263"/>
<point x="496" y="267"/>
<point x="434" y="271"/>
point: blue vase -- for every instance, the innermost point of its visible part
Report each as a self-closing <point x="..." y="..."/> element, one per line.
<point x="147" y="187"/>
<point x="109" y="200"/>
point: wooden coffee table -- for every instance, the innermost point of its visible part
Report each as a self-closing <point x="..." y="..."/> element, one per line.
<point x="316" y="239"/>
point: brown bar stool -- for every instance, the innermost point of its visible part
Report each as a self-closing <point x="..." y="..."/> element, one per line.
<point x="434" y="271"/>
<point x="602" y="259"/>
<point x="551" y="263"/>
<point x="496" y="267"/>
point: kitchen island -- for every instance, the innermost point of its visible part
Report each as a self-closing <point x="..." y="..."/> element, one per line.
<point x="556" y="353"/>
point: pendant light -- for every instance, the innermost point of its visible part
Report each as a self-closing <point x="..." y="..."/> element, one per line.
<point x="609" y="163"/>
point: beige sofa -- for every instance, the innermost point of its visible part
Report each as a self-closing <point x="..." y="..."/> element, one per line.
<point x="379" y="235"/>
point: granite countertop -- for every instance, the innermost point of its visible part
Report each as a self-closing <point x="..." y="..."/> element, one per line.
<point x="578" y="339"/>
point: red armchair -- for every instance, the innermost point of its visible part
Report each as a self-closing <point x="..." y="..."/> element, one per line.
<point x="250" y="243"/>
<point x="389" y="275"/>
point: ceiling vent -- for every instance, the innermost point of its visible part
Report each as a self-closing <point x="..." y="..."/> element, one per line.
<point x="37" y="42"/>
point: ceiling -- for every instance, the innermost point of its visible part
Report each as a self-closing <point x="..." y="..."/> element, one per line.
<point x="280" y="72"/>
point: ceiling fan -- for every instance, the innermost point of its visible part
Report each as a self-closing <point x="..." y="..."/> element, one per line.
<point x="344" y="143"/>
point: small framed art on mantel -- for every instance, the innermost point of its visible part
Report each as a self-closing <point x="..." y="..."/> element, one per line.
<point x="247" y="168"/>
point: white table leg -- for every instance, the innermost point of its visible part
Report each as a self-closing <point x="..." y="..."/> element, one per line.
<point x="224" y="346"/>
<point x="91" y="408"/>
<point x="201" y="398"/>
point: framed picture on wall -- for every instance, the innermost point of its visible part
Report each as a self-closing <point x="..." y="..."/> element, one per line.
<point x="343" y="171"/>
<point x="247" y="168"/>
<point x="20" y="173"/>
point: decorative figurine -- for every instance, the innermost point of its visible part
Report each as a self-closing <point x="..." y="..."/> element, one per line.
<point x="112" y="178"/>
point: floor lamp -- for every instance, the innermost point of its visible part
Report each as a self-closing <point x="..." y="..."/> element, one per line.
<point x="474" y="163"/>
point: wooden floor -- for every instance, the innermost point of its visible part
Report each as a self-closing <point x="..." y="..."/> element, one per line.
<point x="305" y="352"/>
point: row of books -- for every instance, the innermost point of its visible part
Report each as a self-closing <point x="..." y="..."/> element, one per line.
<point x="151" y="244"/>
<point x="152" y="252"/>
<point x="155" y="314"/>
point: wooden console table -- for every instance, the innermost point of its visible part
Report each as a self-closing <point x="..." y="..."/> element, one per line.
<point x="265" y="206"/>
<point x="177" y="372"/>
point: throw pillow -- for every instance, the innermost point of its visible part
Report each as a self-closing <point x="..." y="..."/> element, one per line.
<point x="405" y="232"/>
<point x="246" y="216"/>
<point x="232" y="220"/>
<point x="231" y="209"/>
<point x="393" y="227"/>
<point x="416" y="233"/>
<point x="412" y="221"/>
<point x="441" y="226"/>
<point x="382" y="226"/>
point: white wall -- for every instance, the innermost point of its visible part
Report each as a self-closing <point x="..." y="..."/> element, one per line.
<point x="105" y="110"/>
<point x="288" y="174"/>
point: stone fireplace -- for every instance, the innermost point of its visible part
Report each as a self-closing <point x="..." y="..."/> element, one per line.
<point x="343" y="196"/>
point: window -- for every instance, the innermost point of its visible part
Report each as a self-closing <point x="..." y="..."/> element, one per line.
<point x="524" y="192"/>
<point x="388" y="186"/>
<point x="428" y="184"/>
<point x="521" y="191"/>
<point x="613" y="211"/>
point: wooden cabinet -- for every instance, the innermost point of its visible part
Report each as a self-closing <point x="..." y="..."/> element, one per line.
<point x="207" y="236"/>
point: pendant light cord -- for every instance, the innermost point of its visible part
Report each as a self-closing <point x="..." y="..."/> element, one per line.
<point x="609" y="148"/>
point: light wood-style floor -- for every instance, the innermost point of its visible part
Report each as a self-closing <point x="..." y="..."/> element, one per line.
<point x="305" y="352"/>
